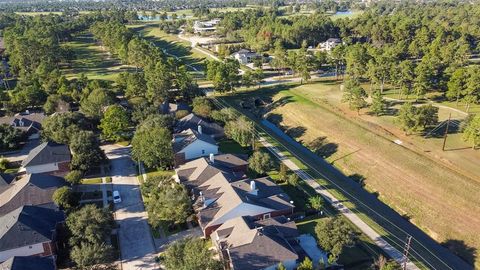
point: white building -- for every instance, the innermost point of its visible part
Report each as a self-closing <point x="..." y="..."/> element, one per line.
<point x="191" y="144"/>
<point x="205" y="26"/>
<point x="329" y="44"/>
<point x="245" y="56"/>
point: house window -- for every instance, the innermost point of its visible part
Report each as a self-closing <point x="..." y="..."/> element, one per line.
<point x="266" y="216"/>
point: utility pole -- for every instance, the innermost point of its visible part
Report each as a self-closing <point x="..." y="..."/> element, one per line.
<point x="446" y="132"/>
<point x="405" y="252"/>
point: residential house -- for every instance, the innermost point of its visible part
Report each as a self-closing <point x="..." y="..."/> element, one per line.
<point x="29" y="263"/>
<point x="191" y="144"/>
<point x="31" y="189"/>
<point x="200" y="27"/>
<point x="172" y="108"/>
<point x="29" y="231"/>
<point x="330" y="43"/>
<point x="220" y="199"/>
<point x="48" y="157"/>
<point x="245" y="56"/>
<point x="247" y="244"/>
<point x="195" y="172"/>
<point x="5" y="181"/>
<point x="192" y="121"/>
<point x="29" y="123"/>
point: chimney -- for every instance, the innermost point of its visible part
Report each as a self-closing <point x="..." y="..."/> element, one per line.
<point x="212" y="158"/>
<point x="199" y="129"/>
<point x="252" y="186"/>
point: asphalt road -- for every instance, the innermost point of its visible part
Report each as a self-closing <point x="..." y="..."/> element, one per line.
<point x="423" y="247"/>
<point x="136" y="242"/>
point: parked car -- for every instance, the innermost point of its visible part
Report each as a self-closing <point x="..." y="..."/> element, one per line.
<point x="116" y="197"/>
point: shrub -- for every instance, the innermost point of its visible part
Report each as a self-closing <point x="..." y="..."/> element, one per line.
<point x="74" y="177"/>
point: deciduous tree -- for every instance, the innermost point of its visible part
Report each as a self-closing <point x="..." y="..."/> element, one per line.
<point x="260" y="162"/>
<point x="471" y="133"/>
<point x="334" y="234"/>
<point x="188" y="254"/>
<point x="115" y="123"/>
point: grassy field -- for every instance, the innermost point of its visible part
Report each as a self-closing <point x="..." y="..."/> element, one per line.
<point x="412" y="184"/>
<point x="354" y="14"/>
<point x="172" y="45"/>
<point x="91" y="60"/>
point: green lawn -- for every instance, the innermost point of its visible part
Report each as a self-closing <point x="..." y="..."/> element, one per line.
<point x="89" y="181"/>
<point x="92" y="60"/>
<point x="232" y="147"/>
<point x="172" y="45"/>
<point x="156" y="172"/>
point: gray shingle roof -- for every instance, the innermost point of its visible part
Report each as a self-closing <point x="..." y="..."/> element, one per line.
<point x="28" y="263"/>
<point x="28" y="225"/>
<point x="188" y="137"/>
<point x="32" y="189"/>
<point x="192" y="121"/>
<point x="47" y="152"/>
<point x="257" y="245"/>
<point x="27" y="122"/>
<point x="6" y="179"/>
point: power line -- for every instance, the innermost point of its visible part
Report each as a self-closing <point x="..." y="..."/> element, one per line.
<point x="219" y="103"/>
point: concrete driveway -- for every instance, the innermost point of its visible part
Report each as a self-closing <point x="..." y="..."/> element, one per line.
<point x="136" y="242"/>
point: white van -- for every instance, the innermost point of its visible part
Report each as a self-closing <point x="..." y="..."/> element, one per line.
<point x="116" y="197"/>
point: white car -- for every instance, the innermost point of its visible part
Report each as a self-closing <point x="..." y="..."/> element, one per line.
<point x="116" y="197"/>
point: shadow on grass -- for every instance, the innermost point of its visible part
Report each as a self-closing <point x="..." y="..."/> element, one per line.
<point x="461" y="249"/>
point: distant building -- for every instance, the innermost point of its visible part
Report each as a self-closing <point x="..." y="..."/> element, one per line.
<point x="248" y="244"/>
<point x="48" y="157"/>
<point x="330" y="43"/>
<point x="29" y="263"/>
<point x="245" y="56"/>
<point x="29" y="231"/>
<point x="31" y="189"/>
<point x="205" y="26"/>
<point x="192" y="122"/>
<point x="191" y="144"/>
<point x="29" y="123"/>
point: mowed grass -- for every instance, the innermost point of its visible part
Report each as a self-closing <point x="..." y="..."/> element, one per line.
<point x="352" y="15"/>
<point x="443" y="203"/>
<point x="92" y="60"/>
<point x="172" y="45"/>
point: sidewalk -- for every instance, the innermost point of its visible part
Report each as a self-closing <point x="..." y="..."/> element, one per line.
<point x="366" y="229"/>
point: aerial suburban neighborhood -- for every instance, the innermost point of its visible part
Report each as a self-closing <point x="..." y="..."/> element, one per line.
<point x="239" y="134"/>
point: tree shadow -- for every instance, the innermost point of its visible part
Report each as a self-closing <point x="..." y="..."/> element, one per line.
<point x="322" y="147"/>
<point x="275" y="118"/>
<point x="439" y="130"/>
<point x="296" y="132"/>
<point x="358" y="178"/>
<point x="461" y="249"/>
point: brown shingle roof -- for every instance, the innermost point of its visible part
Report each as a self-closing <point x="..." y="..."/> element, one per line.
<point x="32" y="189"/>
<point x="257" y="245"/>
